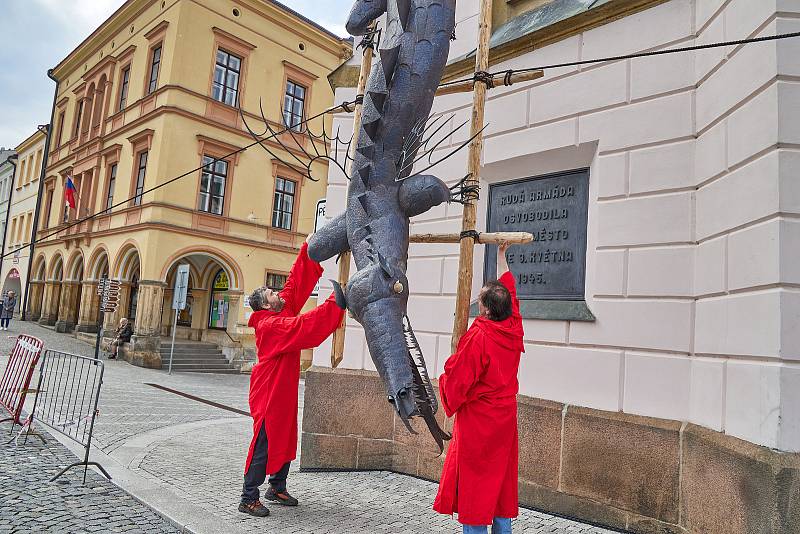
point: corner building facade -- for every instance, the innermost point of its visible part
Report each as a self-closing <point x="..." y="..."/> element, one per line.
<point x="659" y="384"/>
<point x="153" y="93"/>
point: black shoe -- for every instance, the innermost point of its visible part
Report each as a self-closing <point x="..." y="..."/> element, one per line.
<point x="254" y="508"/>
<point x="280" y="497"/>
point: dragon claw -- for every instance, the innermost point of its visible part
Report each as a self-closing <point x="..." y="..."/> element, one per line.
<point x="464" y="192"/>
<point x="338" y="291"/>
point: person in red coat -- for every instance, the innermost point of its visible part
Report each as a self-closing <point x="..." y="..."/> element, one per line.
<point x="479" y="387"/>
<point x="280" y="336"/>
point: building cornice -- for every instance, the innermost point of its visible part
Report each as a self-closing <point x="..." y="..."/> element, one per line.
<point x="31" y="141"/>
<point x="101" y="35"/>
<point x="172" y="228"/>
<point x="346" y="75"/>
<point x="278" y="11"/>
<point x="569" y="27"/>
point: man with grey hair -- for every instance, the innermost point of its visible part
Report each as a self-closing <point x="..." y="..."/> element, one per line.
<point x="280" y="336"/>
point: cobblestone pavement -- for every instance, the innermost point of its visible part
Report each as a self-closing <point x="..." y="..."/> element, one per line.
<point x="30" y="503"/>
<point x="195" y="453"/>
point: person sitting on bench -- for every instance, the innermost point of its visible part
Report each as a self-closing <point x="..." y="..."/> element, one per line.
<point x="121" y="335"/>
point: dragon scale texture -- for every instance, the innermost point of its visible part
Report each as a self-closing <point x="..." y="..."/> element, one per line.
<point x="382" y="197"/>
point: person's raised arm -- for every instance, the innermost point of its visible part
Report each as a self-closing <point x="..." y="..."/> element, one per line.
<point x="302" y="278"/>
<point x="505" y="276"/>
<point x="502" y="261"/>
<point x="304" y="331"/>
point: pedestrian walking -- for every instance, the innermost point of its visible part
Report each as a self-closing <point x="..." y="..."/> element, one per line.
<point x="280" y="336"/>
<point x="122" y="335"/>
<point x="479" y="387"/>
<point x="7" y="311"/>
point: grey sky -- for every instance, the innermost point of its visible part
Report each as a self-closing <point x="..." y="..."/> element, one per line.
<point x="37" y="34"/>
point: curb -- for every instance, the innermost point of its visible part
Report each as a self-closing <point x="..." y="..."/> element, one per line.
<point x="156" y="495"/>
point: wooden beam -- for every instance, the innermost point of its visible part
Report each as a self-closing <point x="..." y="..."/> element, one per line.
<point x="337" y="350"/>
<point x="486" y="238"/>
<point x="464" y="290"/>
<point x="468" y="85"/>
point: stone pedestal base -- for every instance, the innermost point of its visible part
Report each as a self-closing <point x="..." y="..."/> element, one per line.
<point x="46" y="321"/>
<point x="627" y="472"/>
<point x="87" y="328"/>
<point x="64" y="326"/>
<point x="143" y="351"/>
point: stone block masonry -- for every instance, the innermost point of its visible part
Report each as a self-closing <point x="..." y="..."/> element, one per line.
<point x="634" y="473"/>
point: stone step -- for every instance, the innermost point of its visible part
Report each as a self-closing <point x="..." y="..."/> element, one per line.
<point x="191" y="351"/>
<point x="195" y="348"/>
<point x="190" y="348"/>
<point x="198" y="344"/>
<point x="194" y="361"/>
<point x="195" y="367"/>
<point x="209" y="371"/>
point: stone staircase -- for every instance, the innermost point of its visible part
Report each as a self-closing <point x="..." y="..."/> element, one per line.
<point x="195" y="357"/>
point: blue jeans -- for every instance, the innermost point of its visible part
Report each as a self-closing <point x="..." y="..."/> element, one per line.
<point x="501" y="525"/>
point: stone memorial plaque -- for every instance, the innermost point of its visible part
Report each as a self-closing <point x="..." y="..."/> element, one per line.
<point x="554" y="208"/>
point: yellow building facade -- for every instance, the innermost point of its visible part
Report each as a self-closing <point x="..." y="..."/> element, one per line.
<point x="151" y="95"/>
<point x="22" y="208"/>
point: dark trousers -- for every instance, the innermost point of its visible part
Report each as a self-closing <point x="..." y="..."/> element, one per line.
<point x="5" y="321"/>
<point x="257" y="472"/>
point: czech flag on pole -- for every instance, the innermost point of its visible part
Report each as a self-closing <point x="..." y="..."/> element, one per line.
<point x="69" y="193"/>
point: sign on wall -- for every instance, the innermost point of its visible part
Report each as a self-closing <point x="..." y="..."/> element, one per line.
<point x="554" y="208"/>
<point x="181" y="287"/>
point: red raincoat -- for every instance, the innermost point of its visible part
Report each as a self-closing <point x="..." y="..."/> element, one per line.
<point x="479" y="386"/>
<point x="275" y="379"/>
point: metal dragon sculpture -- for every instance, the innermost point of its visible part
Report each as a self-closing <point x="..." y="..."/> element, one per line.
<point x="383" y="193"/>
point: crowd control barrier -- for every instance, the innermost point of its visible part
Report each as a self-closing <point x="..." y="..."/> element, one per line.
<point x="66" y="400"/>
<point x="15" y="384"/>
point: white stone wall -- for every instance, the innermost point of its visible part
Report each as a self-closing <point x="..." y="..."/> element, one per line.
<point x="693" y="261"/>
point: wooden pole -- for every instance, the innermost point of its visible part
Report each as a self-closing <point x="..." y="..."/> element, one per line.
<point x="468" y="85"/>
<point x="487" y="238"/>
<point x="337" y="351"/>
<point x="476" y="147"/>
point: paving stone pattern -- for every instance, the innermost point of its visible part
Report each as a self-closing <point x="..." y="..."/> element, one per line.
<point x="29" y="502"/>
<point x="203" y="464"/>
<point x="331" y="502"/>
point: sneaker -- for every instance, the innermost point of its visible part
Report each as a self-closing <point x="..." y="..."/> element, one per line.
<point x="255" y="509"/>
<point x="280" y="497"/>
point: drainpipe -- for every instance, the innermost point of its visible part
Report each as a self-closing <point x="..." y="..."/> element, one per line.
<point x="12" y="160"/>
<point x="42" y="176"/>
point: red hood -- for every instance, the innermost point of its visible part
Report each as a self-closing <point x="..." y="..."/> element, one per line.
<point x="258" y="316"/>
<point x="507" y="333"/>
